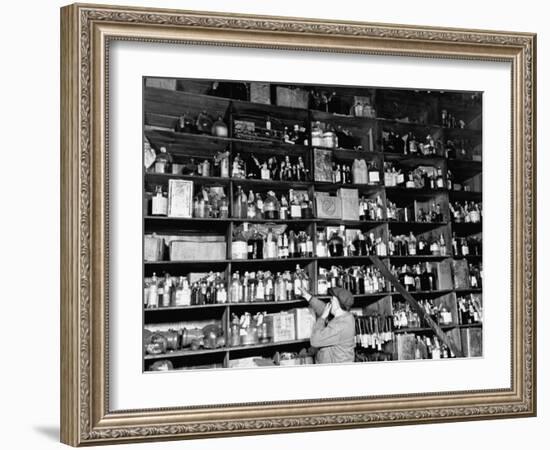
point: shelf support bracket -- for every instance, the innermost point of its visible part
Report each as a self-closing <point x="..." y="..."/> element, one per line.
<point x="443" y="337"/>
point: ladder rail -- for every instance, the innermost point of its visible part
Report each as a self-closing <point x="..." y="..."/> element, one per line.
<point x="443" y="337"/>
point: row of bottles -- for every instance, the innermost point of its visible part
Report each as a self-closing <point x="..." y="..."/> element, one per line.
<point x="358" y="280"/>
<point x="287" y="169"/>
<point x="466" y="212"/>
<point x="410" y="245"/>
<point x="255" y="244"/>
<point x="448" y="120"/>
<point x="467" y="246"/>
<point x="211" y="203"/>
<point x="434" y="213"/>
<point x="371" y="209"/>
<point x="203" y="123"/>
<point x="359" y="172"/>
<point x="475" y="275"/>
<point x="254" y="206"/>
<point x="410" y="144"/>
<point x="268" y="287"/>
<point x="295" y="135"/>
<point x="418" y="178"/>
<point x="340" y="243"/>
<point x="417" y="277"/>
<point x="470" y="309"/>
<point x="429" y="347"/>
<point x="169" y="291"/>
<point x="248" y="329"/>
<point x="373" y="331"/>
<point x="267" y="129"/>
<point x="323" y="136"/>
<point x="218" y="166"/>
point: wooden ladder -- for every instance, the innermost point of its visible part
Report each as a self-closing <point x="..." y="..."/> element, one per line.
<point x="443" y="337"/>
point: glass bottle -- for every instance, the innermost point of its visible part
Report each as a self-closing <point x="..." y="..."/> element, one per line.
<point x="336" y="245"/>
<point x="271" y="206"/>
<point x="412" y="244"/>
<point x="237" y="204"/>
<point x="235" y="331"/>
<point x="251" y="206"/>
<point x="270" y="246"/>
<point x="223" y="206"/>
<point x="305" y="206"/>
<point x="219" y="128"/>
<point x="295" y="207"/>
<point x="163" y="161"/>
<point x="439" y="183"/>
<point x="321" y="248"/>
<point x="442" y="246"/>
<point x="159" y="203"/>
<point x="269" y="287"/>
<point x="153" y="299"/>
<point x="239" y="246"/>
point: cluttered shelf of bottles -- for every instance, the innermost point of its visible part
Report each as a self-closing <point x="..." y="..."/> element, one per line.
<point x="255" y="190"/>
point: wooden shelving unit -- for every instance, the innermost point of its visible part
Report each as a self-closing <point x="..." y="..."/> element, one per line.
<point x="161" y="111"/>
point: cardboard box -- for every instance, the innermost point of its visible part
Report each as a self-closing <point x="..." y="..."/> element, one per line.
<point x="260" y="93"/>
<point x="327" y="207"/>
<point x="292" y="97"/>
<point x="253" y="361"/>
<point x="153" y="247"/>
<point x="161" y="83"/>
<point x="304" y="319"/>
<point x="193" y="248"/>
<point x="443" y="275"/>
<point x="350" y="203"/>
<point x="461" y="274"/>
<point x="405" y="346"/>
<point x="281" y="326"/>
<point x="180" y="198"/>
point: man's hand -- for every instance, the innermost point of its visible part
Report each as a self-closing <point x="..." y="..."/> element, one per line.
<point x="305" y="294"/>
<point x="326" y="311"/>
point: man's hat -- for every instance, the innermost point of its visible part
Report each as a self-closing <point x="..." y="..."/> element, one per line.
<point x="344" y="297"/>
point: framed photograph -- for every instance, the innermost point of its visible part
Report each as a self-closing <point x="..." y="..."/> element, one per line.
<point x="279" y="224"/>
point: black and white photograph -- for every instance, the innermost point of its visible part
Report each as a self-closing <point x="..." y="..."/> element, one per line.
<point x="290" y="224"/>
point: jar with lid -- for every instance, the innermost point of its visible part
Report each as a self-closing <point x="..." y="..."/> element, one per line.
<point x="204" y="123"/>
<point x="317" y="135"/>
<point x="163" y="161"/>
<point x="185" y="124"/>
<point x="329" y="139"/>
<point x="219" y="128"/>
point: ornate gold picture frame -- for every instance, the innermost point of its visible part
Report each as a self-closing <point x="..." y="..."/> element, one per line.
<point x="86" y="34"/>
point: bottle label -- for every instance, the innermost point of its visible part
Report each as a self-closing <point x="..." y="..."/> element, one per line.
<point x="239" y="250"/>
<point x="295" y="211"/>
<point x="160" y="167"/>
<point x="159" y="205"/>
<point x="374" y="177"/>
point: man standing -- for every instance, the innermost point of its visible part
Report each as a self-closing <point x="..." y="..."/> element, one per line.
<point x="335" y="339"/>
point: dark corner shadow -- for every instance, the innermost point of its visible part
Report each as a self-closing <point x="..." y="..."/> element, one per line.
<point x="51" y="432"/>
